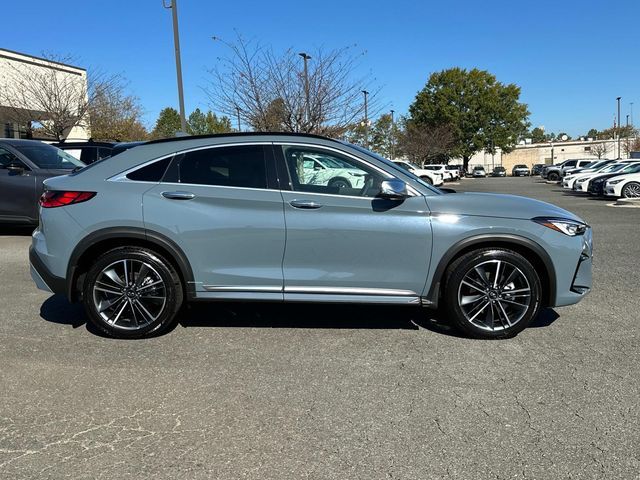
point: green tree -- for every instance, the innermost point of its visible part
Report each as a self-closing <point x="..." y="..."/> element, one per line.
<point x="537" y="135"/>
<point x="197" y="123"/>
<point x="561" y="135"/>
<point x="484" y="113"/>
<point x="167" y="125"/>
<point x="593" y="133"/>
<point x="217" y="124"/>
<point x="384" y="136"/>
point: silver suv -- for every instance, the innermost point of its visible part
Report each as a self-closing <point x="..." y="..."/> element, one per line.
<point x="238" y="217"/>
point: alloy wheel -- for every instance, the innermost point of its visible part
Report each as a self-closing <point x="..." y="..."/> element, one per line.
<point x="129" y="294"/>
<point x="631" y="190"/>
<point x="494" y="295"/>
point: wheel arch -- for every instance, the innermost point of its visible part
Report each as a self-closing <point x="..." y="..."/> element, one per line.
<point x="531" y="250"/>
<point x="100" y="241"/>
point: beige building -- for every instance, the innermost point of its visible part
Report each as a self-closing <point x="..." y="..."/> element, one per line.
<point x="18" y="104"/>
<point x="530" y="154"/>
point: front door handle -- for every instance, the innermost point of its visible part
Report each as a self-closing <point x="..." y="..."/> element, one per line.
<point x="178" y="195"/>
<point x="305" y="204"/>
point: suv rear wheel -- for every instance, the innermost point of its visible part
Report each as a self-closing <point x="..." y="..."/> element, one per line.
<point x="132" y="292"/>
<point x="492" y="293"/>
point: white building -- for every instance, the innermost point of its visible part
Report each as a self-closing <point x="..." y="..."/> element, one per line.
<point x="14" y="103"/>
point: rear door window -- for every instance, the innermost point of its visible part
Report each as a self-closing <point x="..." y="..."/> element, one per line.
<point x="236" y="166"/>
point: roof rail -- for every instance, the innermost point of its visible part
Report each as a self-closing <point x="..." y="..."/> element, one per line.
<point x="237" y="134"/>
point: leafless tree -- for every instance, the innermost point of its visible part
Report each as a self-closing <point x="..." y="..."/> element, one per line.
<point x="116" y="115"/>
<point x="423" y="144"/>
<point x="55" y="101"/>
<point x="270" y="91"/>
<point x="599" y="149"/>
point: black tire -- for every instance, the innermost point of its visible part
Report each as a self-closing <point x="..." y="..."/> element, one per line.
<point x="339" y="182"/>
<point x="134" y="321"/>
<point x="553" y="177"/>
<point x="493" y="322"/>
<point x="631" y="190"/>
<point x="427" y="179"/>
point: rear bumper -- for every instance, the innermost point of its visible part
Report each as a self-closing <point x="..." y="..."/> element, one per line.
<point x="43" y="278"/>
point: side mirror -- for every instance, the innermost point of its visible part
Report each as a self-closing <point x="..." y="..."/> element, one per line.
<point x="393" y="189"/>
<point x="15" y="168"/>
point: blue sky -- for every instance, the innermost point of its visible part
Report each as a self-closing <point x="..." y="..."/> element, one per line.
<point x="570" y="58"/>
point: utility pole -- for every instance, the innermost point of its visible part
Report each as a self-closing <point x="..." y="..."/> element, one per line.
<point x="631" y="112"/>
<point x="173" y="5"/>
<point x="366" y="119"/>
<point x="306" y="58"/>
<point x="238" y="110"/>
<point x="393" y="137"/>
<point x="618" y="99"/>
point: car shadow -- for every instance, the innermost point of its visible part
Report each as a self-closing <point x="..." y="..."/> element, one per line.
<point x="16" y="230"/>
<point x="57" y="309"/>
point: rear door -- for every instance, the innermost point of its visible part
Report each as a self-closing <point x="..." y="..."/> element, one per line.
<point x="221" y="205"/>
<point x="17" y="190"/>
<point x="343" y="243"/>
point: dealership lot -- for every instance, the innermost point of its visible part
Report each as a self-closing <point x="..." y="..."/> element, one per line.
<point x="271" y="391"/>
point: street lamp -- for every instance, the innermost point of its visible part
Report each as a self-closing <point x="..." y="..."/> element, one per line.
<point x="306" y="58"/>
<point x="173" y="5"/>
<point x="631" y="112"/>
<point x="366" y="119"/>
<point x="238" y="110"/>
<point x="393" y="137"/>
<point x="618" y="99"/>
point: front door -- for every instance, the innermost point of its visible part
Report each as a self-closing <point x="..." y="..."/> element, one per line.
<point x="345" y="243"/>
<point x="18" y="200"/>
<point x="221" y="210"/>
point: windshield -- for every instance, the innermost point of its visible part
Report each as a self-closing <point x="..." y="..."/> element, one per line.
<point x="634" y="168"/>
<point x="392" y="165"/>
<point x="49" y="157"/>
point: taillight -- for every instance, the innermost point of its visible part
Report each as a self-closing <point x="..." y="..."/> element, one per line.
<point x="51" y="199"/>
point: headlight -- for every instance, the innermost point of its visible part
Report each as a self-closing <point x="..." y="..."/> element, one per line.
<point x="614" y="182"/>
<point x="581" y="180"/>
<point x="562" y="225"/>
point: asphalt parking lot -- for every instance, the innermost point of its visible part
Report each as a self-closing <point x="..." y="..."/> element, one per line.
<point x="269" y="391"/>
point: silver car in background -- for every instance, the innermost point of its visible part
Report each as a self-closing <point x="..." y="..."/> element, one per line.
<point x="235" y="217"/>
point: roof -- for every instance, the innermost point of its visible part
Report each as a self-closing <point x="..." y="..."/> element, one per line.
<point x="20" y="141"/>
<point x="89" y="143"/>
<point x="42" y="59"/>
<point x="240" y="134"/>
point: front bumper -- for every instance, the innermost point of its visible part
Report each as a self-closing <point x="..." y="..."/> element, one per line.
<point x="43" y="278"/>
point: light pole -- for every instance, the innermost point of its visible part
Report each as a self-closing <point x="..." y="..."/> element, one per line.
<point x="306" y="58"/>
<point x="173" y="5"/>
<point x="393" y="136"/>
<point x="618" y="99"/>
<point x="631" y="112"/>
<point x="366" y="119"/>
<point x="238" y="110"/>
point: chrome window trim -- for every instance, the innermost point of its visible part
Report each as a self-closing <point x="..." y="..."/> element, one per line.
<point x="413" y="192"/>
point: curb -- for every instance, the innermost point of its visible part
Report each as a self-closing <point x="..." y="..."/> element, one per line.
<point x="626" y="203"/>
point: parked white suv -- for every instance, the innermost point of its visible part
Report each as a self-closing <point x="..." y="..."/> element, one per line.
<point x="434" y="178"/>
<point x="447" y="175"/>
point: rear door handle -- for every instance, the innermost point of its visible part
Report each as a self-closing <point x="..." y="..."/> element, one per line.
<point x="305" y="204"/>
<point x="178" y="195"/>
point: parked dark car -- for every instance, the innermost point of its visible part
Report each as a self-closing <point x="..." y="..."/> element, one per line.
<point x="499" y="172"/>
<point x="123" y="146"/>
<point x="537" y="169"/>
<point x="87" y="152"/>
<point x="24" y="165"/>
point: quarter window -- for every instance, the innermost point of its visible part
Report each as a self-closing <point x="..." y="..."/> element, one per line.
<point x="239" y="166"/>
<point x="151" y="173"/>
<point x="318" y="171"/>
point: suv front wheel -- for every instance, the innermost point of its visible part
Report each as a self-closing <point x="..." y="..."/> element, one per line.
<point x="132" y="292"/>
<point x="492" y="293"/>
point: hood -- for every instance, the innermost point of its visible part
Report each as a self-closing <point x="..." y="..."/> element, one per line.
<point x="496" y="205"/>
